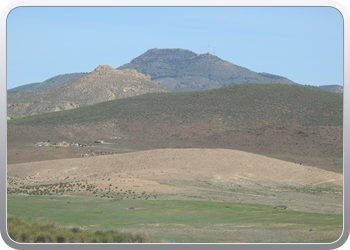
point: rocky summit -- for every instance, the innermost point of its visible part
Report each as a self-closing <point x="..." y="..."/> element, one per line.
<point x="184" y="70"/>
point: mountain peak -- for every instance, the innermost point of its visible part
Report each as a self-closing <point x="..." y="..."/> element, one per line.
<point x="155" y="54"/>
<point x="184" y="70"/>
<point x="169" y="50"/>
<point x="103" y="68"/>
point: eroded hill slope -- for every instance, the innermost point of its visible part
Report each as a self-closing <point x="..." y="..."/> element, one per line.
<point x="102" y="84"/>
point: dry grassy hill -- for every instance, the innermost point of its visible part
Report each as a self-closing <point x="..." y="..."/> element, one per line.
<point x="184" y="174"/>
<point x="292" y="122"/>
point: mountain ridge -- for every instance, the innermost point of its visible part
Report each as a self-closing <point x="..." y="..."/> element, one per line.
<point x="102" y="84"/>
<point x="184" y="70"/>
<point x="47" y="84"/>
<point x="177" y="70"/>
<point x="291" y="103"/>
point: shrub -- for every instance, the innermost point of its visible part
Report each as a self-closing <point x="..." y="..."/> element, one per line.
<point x="23" y="232"/>
<point x="61" y="239"/>
<point x="40" y="239"/>
<point x="75" y="230"/>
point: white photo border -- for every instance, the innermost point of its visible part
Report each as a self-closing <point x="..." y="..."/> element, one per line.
<point x="180" y="3"/>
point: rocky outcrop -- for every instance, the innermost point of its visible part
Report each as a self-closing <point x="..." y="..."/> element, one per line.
<point x="103" y="84"/>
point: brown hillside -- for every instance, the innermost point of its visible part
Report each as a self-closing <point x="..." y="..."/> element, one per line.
<point x="199" y="174"/>
<point x="102" y="84"/>
<point x="289" y="122"/>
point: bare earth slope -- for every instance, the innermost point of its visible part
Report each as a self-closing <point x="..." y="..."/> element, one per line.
<point x="188" y="174"/>
<point x="102" y="84"/>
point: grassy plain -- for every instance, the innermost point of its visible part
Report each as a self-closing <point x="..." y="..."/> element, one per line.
<point x="191" y="216"/>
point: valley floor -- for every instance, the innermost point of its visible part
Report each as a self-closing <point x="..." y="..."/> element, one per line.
<point x="208" y="176"/>
<point x="171" y="221"/>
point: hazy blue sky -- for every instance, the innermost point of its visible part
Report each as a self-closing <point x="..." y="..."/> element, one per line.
<point x="304" y="44"/>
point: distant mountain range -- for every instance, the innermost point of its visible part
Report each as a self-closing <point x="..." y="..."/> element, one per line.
<point x="181" y="70"/>
<point x="102" y="84"/>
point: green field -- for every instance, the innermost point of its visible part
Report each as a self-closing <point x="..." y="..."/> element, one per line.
<point x="112" y="214"/>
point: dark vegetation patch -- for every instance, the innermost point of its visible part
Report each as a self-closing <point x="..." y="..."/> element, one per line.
<point x="240" y="106"/>
<point x="24" y="232"/>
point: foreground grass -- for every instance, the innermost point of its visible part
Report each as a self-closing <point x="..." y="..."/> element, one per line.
<point x="24" y="232"/>
<point x="111" y="214"/>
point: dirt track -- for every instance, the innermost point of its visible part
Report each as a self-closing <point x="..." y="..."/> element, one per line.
<point x="196" y="174"/>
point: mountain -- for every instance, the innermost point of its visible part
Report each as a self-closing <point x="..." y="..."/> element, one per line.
<point x="279" y="119"/>
<point x="180" y="70"/>
<point x="48" y="84"/>
<point x="184" y="70"/>
<point x="332" y="88"/>
<point x="102" y="84"/>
